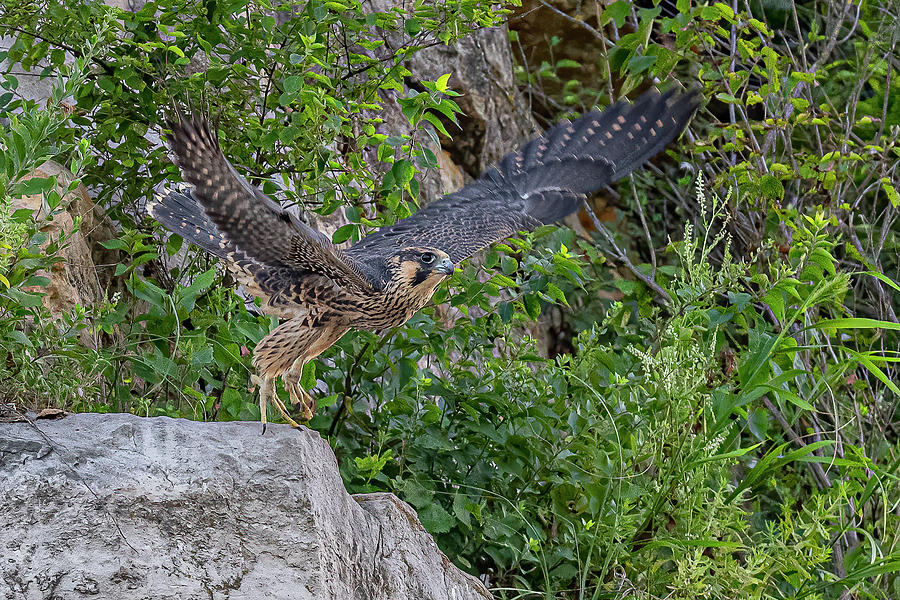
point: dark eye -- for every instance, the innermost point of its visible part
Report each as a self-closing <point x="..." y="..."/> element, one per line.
<point x="427" y="258"/>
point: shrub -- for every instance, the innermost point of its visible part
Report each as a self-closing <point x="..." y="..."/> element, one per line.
<point x="712" y="417"/>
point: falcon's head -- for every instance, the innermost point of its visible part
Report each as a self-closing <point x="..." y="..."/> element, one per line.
<point x="418" y="270"/>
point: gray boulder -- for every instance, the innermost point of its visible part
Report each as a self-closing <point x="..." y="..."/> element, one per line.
<point x="124" y="507"/>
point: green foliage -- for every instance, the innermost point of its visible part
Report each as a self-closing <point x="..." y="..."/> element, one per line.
<point x="614" y="467"/>
<point x="285" y="93"/>
<point x="712" y="419"/>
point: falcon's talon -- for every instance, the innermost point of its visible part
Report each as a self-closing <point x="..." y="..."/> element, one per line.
<point x="291" y="381"/>
<point x="296" y="392"/>
<point x="382" y="280"/>
<point x="307" y="409"/>
<point x="267" y="395"/>
<point x="284" y="413"/>
<point x="299" y="396"/>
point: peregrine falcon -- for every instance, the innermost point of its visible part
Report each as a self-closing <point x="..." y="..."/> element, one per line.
<point x="322" y="291"/>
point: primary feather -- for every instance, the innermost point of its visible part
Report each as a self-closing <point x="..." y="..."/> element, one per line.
<point x="544" y="181"/>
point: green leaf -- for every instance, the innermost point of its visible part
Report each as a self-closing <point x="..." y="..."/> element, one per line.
<point x="344" y="233"/>
<point x="205" y="279"/>
<point x="436" y="519"/>
<point x="460" y="509"/>
<point x="557" y="294"/>
<point x="884" y="278"/>
<point x="227" y="354"/>
<point x="790" y="397"/>
<point x="26" y="299"/>
<point x="771" y="461"/>
<point x="115" y="244"/>
<point x="639" y="64"/>
<point x="308" y="378"/>
<point x="855" y="323"/>
<point x="891" y="192"/>
<point x="431" y="118"/>
<point x="292" y="84"/>
<point x="724" y="10"/>
<point x="505" y="310"/>
<point x="22" y="215"/>
<point x="508" y="265"/>
<point x="867" y="361"/>
<point x="371" y="465"/>
<point x="728" y="98"/>
<point x="617" y="11"/>
<point x="758" y="421"/>
<point x="771" y="187"/>
<point x="532" y="306"/>
<point x="33" y="186"/>
<point x="753" y="364"/>
<point x="412" y="26"/>
<point x="729" y="455"/>
<point x="403" y="171"/>
<point x="20" y="338"/>
<point x="567" y="63"/>
<point x="441" y="83"/>
<point x="174" y="244"/>
<point x="503" y="280"/>
<point x="415" y="493"/>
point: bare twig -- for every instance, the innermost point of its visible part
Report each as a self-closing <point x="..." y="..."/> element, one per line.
<point x="578" y="22"/>
<point x="622" y="257"/>
<point x="640" y="210"/>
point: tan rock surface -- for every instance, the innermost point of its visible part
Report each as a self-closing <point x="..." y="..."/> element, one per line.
<point x="76" y="279"/>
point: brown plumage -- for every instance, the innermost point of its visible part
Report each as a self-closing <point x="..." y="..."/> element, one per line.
<point x="386" y="277"/>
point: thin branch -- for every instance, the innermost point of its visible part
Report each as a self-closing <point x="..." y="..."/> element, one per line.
<point x="622" y="257"/>
<point x="578" y="22"/>
<point x="640" y="209"/>
<point x="74" y="51"/>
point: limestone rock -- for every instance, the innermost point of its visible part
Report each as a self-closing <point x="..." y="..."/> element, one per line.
<point x="76" y="279"/>
<point x="123" y="507"/>
<point x="496" y="118"/>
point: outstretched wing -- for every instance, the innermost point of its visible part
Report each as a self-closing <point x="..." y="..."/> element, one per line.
<point x="179" y="211"/>
<point x="544" y="181"/>
<point x="251" y="221"/>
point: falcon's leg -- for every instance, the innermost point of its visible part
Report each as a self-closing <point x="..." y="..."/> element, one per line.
<point x="266" y="395"/>
<point x="284" y="352"/>
<point x="295" y="391"/>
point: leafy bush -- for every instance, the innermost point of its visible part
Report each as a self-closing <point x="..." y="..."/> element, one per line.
<point x="711" y="417"/>
<point x="644" y="460"/>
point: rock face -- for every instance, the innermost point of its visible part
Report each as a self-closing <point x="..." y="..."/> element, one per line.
<point x="76" y="279"/>
<point x="123" y="507"/>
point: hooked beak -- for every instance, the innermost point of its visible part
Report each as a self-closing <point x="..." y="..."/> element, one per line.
<point x="445" y="267"/>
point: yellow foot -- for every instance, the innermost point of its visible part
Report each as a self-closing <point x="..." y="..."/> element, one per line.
<point x="298" y="395"/>
<point x="266" y="395"/>
<point x="284" y="413"/>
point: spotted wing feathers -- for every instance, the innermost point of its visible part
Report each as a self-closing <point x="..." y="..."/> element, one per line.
<point x="180" y="212"/>
<point x="249" y="220"/>
<point x="544" y="181"/>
